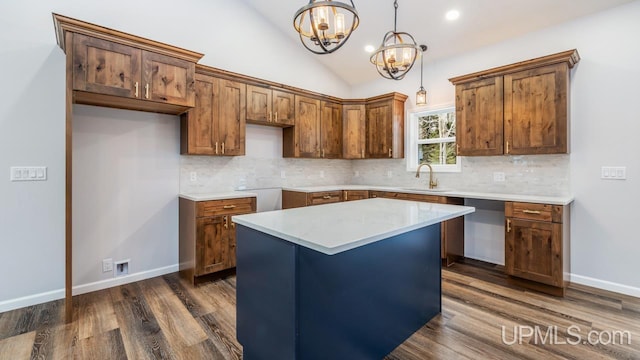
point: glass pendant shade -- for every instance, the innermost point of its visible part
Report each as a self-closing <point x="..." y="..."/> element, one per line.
<point x="324" y="26"/>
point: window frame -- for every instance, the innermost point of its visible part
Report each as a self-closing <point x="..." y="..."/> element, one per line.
<point x="413" y="141"/>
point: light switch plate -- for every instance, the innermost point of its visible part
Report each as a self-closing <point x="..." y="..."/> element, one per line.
<point x="498" y="176"/>
<point x="613" y="173"/>
<point x="28" y="173"/>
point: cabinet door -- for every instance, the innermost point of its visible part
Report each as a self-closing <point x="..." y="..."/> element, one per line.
<point x="259" y="104"/>
<point x="535" y="110"/>
<point x="231" y="240"/>
<point x="167" y="79"/>
<point x="231" y="117"/>
<point x="105" y="67"/>
<point x="198" y="126"/>
<point x="533" y="251"/>
<point x="307" y="128"/>
<point x="379" y="128"/>
<point x="283" y="108"/>
<point x="331" y="130"/>
<point x="211" y="245"/>
<point x="479" y="117"/>
<point x="353" y="133"/>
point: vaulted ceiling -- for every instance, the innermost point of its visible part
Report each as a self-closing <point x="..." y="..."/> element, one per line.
<point x="481" y="23"/>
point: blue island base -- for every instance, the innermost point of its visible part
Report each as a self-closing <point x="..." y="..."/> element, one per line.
<point x="298" y="303"/>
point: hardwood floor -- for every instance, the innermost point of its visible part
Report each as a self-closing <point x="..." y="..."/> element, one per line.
<point x="167" y="318"/>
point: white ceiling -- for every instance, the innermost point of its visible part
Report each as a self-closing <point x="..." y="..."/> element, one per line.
<point x="482" y="22"/>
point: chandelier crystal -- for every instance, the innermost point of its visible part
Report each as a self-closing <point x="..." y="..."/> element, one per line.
<point x="324" y="26"/>
<point x="397" y="54"/>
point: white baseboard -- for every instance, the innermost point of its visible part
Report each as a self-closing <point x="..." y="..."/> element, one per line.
<point x="605" y="285"/>
<point x="44" y="297"/>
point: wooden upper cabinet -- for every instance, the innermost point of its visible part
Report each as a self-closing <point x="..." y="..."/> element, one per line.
<point x="167" y="79"/>
<point x="479" y="129"/>
<point x="115" y="69"/>
<point x="303" y="139"/>
<point x="216" y="126"/>
<point x="106" y="67"/>
<point x="385" y="126"/>
<point x="331" y="130"/>
<point x="353" y="131"/>
<point x="535" y="110"/>
<point x="515" y="109"/>
<point x="272" y="107"/>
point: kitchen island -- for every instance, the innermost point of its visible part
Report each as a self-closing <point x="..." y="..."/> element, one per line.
<point x="347" y="280"/>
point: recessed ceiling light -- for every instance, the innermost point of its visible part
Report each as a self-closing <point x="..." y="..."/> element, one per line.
<point x="452" y="15"/>
<point x="369" y="48"/>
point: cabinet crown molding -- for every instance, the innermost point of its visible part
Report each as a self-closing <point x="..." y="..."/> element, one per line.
<point x="65" y="24"/>
<point x="570" y="57"/>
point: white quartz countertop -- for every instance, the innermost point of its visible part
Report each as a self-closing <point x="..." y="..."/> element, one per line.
<point x="539" y="199"/>
<point x="217" y="195"/>
<point x="338" y="227"/>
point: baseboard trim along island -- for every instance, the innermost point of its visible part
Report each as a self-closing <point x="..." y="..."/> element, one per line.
<point x="349" y="280"/>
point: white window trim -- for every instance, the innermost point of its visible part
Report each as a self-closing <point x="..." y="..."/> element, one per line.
<point x="412" y="141"/>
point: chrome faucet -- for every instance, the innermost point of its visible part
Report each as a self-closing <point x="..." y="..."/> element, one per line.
<point x="432" y="183"/>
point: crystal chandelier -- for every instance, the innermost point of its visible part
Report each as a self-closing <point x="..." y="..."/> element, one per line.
<point x="324" y="26"/>
<point x="397" y="54"/>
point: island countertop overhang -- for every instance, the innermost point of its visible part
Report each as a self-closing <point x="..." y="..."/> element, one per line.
<point x="338" y="227"/>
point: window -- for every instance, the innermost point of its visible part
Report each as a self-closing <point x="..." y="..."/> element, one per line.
<point x="432" y="139"/>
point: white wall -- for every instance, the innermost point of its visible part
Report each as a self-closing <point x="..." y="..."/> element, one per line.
<point x="604" y="131"/>
<point x="233" y="37"/>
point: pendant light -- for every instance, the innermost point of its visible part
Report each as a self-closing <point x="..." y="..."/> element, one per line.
<point x="324" y="26"/>
<point x="397" y="54"/>
<point x="421" y="95"/>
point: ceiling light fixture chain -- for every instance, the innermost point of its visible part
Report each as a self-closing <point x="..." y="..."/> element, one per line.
<point x="324" y="26"/>
<point x="397" y="54"/>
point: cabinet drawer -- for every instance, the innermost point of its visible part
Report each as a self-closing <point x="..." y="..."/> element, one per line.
<point x="324" y="197"/>
<point x="531" y="211"/>
<point x="350" y="195"/>
<point x="226" y="207"/>
<point x="405" y="196"/>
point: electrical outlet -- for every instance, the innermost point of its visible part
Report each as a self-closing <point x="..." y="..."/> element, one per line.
<point x="193" y="176"/>
<point x="107" y="265"/>
<point x="498" y="176"/>
<point x="389" y="173"/>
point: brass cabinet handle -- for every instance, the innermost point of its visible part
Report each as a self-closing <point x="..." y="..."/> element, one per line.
<point x="362" y="153"/>
<point x="327" y="197"/>
<point x="270" y="116"/>
<point x="216" y="148"/>
<point x="374" y="196"/>
<point x="146" y="91"/>
<point x="389" y="152"/>
<point x="223" y="148"/>
<point x="457" y="149"/>
<point x="346" y="196"/>
<point x="233" y="225"/>
<point x="530" y="211"/>
<point x="508" y="225"/>
<point x="136" y="85"/>
<point x="322" y="153"/>
<point x="507" y="147"/>
<point x="276" y="116"/>
<point x="229" y="207"/>
<point x="226" y="222"/>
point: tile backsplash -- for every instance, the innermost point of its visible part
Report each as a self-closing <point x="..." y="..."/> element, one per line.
<point x="527" y="174"/>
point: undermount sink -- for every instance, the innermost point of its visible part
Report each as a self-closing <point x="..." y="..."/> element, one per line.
<point x="427" y="190"/>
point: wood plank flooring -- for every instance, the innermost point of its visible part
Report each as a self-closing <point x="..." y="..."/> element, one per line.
<point x="167" y="318"/>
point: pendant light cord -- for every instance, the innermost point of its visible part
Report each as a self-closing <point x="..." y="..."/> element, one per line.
<point x="395" y="20"/>
<point x="421" y="67"/>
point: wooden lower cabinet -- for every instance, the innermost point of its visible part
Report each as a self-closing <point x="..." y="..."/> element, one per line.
<point x="207" y="235"/>
<point x="451" y="231"/>
<point x="536" y="246"/>
<point x="295" y="199"/>
<point x="351" y="195"/>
